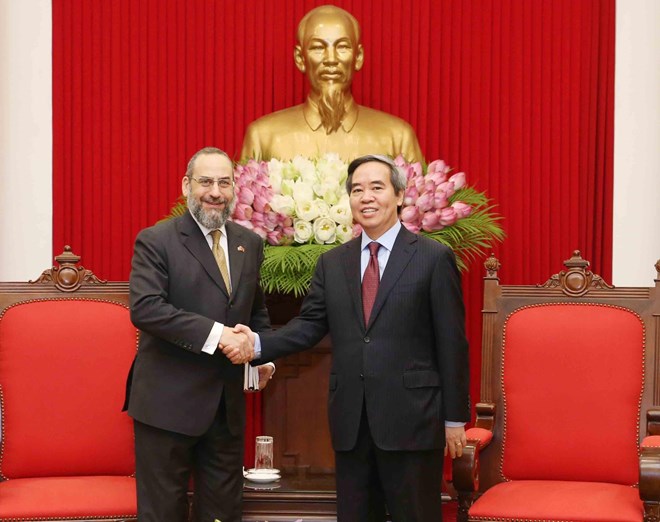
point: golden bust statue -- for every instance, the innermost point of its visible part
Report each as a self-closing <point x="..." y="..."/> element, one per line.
<point x="328" y="53"/>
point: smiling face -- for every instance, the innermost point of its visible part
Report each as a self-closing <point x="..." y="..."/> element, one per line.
<point x="373" y="198"/>
<point x="211" y="205"/>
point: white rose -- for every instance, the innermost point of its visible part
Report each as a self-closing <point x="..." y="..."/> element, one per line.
<point x="341" y="213"/>
<point x="302" y="231"/>
<point x="322" y="208"/>
<point x="305" y="168"/>
<point x="275" y="180"/>
<point x="344" y="233"/>
<point x="286" y="187"/>
<point x="302" y="192"/>
<point x="331" y="168"/>
<point x="275" y="166"/>
<point x="283" y="204"/>
<point x="330" y="191"/>
<point x="307" y="210"/>
<point x="325" y="230"/>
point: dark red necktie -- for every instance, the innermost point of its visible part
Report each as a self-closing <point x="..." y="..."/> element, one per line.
<point x="370" y="281"/>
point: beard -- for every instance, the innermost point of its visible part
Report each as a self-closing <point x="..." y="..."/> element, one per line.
<point x="211" y="219"/>
<point x="331" y="107"/>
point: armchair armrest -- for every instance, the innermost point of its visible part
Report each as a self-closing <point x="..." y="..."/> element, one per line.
<point x="465" y="470"/>
<point x="649" y="467"/>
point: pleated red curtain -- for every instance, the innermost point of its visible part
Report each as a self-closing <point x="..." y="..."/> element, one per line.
<point x="516" y="93"/>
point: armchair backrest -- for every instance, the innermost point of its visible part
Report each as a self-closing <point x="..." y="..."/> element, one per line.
<point x="570" y="367"/>
<point x="66" y="344"/>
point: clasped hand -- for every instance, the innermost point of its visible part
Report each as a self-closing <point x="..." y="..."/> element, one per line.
<point x="237" y="344"/>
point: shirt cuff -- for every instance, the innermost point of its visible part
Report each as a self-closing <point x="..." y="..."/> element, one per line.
<point x="212" y="341"/>
<point x="257" y="346"/>
<point x="453" y="424"/>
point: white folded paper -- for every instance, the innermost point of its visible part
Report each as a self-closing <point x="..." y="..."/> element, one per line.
<point x="250" y="378"/>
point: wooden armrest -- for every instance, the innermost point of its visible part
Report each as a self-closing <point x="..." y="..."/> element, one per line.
<point x="465" y="472"/>
<point x="653" y="422"/>
<point x="649" y="469"/>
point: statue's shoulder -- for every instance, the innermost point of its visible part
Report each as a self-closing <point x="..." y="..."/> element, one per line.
<point x="288" y="117"/>
<point x="376" y="117"/>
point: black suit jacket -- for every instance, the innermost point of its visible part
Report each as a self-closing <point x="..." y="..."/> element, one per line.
<point x="409" y="366"/>
<point x="176" y="294"/>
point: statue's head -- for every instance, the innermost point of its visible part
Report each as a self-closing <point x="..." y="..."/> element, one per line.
<point x="328" y="52"/>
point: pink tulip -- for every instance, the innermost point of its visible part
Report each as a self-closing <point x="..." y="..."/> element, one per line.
<point x="409" y="214"/>
<point x="357" y="230"/>
<point x="440" y="200"/>
<point x="437" y="166"/>
<point x="425" y="202"/>
<point x="430" y="221"/>
<point x="410" y="196"/>
<point x="459" y="180"/>
<point x="245" y="223"/>
<point x="462" y="209"/>
<point x="261" y="203"/>
<point x="447" y="216"/>
<point x="437" y="177"/>
<point x="412" y="227"/>
<point x="447" y="187"/>
<point x="274" y="237"/>
<point x="243" y="212"/>
<point x="245" y="195"/>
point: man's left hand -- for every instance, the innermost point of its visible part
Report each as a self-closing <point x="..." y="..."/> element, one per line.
<point x="266" y="372"/>
<point x="455" y="441"/>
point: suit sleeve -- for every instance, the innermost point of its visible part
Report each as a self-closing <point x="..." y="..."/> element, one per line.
<point x="451" y="343"/>
<point x="150" y="309"/>
<point x="304" y="331"/>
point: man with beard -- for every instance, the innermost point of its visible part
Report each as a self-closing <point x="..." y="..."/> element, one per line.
<point x="328" y="53"/>
<point x="193" y="278"/>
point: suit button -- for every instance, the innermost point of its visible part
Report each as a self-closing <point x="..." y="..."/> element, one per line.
<point x="367" y="339"/>
<point x="362" y="377"/>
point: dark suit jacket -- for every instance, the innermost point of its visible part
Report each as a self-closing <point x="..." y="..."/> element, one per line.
<point x="176" y="293"/>
<point x="409" y="365"/>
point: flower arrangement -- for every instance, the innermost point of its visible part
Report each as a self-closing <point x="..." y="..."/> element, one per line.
<point x="301" y="209"/>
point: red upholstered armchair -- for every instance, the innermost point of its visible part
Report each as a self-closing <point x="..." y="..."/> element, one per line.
<point x="66" y="344"/>
<point x="569" y="424"/>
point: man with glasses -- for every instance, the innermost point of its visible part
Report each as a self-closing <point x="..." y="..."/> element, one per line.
<point x="193" y="278"/>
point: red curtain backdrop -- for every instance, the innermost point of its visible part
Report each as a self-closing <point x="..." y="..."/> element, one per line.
<point x="516" y="93"/>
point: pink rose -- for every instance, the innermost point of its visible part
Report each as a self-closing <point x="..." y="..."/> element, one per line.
<point x="440" y="200"/>
<point x="447" y="216"/>
<point x="447" y="187"/>
<point x="412" y="227"/>
<point x="410" y="196"/>
<point x="245" y="195"/>
<point x="462" y="209"/>
<point x="425" y="202"/>
<point x="409" y="214"/>
<point x="430" y="221"/>
<point x="459" y="180"/>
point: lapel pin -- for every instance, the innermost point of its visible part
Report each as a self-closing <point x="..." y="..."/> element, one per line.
<point x="240" y="249"/>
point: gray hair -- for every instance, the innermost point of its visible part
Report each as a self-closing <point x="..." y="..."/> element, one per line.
<point x="205" y="150"/>
<point x="397" y="176"/>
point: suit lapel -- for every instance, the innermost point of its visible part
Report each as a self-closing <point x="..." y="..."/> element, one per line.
<point x="351" y="265"/>
<point x="402" y="252"/>
<point x="236" y="253"/>
<point x="193" y="239"/>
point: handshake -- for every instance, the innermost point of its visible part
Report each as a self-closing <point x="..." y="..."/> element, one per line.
<point x="237" y="343"/>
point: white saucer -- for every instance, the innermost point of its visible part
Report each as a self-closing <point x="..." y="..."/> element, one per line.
<point x="270" y="471"/>
<point x="262" y="477"/>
